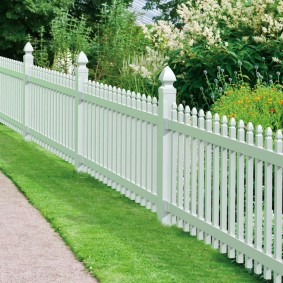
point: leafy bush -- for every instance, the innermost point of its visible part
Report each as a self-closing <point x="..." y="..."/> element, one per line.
<point x="118" y="38"/>
<point x="68" y="36"/>
<point x="213" y="32"/>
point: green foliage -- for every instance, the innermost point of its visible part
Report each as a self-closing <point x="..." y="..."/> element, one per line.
<point x="40" y="53"/>
<point x="168" y="9"/>
<point x="69" y="36"/>
<point x="117" y="239"/>
<point x="20" y="18"/>
<point x="262" y="105"/>
<point x="211" y="33"/>
<point x="118" y="38"/>
<point x="91" y="10"/>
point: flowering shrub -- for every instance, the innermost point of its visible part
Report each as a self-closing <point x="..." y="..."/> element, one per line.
<point x="140" y="72"/>
<point x="262" y="105"/>
<point x="211" y="33"/>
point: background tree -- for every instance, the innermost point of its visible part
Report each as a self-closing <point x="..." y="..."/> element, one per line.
<point x="168" y="9"/>
<point x="20" y="18"/>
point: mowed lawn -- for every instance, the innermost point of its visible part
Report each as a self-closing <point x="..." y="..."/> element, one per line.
<point x="117" y="239"/>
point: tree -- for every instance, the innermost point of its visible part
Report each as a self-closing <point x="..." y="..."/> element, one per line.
<point x="91" y="9"/>
<point x="20" y="18"/>
<point x="168" y="9"/>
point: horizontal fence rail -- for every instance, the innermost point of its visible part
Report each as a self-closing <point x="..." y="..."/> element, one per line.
<point x="217" y="180"/>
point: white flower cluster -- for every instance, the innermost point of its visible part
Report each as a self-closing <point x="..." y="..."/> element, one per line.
<point x="150" y="65"/>
<point x="206" y="21"/>
<point x="63" y="62"/>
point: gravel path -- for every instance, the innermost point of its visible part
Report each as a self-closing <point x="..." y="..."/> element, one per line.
<point x="30" y="251"/>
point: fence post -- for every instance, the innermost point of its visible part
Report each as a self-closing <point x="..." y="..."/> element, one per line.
<point x="167" y="96"/>
<point x="28" y="62"/>
<point x="81" y="76"/>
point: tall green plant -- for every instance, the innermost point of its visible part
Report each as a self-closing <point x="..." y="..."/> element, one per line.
<point x="118" y="37"/>
<point x="69" y="36"/>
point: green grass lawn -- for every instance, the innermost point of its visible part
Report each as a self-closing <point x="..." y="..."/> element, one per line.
<point x="118" y="240"/>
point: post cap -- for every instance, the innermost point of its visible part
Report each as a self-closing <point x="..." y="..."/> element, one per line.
<point x="82" y="59"/>
<point x="28" y="47"/>
<point x="167" y="77"/>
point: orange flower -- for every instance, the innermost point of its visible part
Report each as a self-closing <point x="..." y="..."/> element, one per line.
<point x="281" y="102"/>
<point x="271" y="110"/>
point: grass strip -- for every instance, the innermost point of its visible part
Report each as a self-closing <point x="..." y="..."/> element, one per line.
<point x="118" y="240"/>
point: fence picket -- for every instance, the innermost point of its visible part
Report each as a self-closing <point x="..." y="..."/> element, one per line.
<point x="138" y="139"/>
<point x="278" y="208"/>
<point x="187" y="169"/>
<point x="133" y="144"/>
<point x="149" y="152"/>
<point x="180" y="155"/>
<point x="240" y="191"/>
<point x="174" y="168"/>
<point x="223" y="185"/>
<point x="143" y="149"/>
<point x="249" y="195"/>
<point x="194" y="162"/>
<point x="215" y="196"/>
<point x="200" y="174"/>
<point x="208" y="166"/>
<point x="258" y="200"/>
<point x="232" y="188"/>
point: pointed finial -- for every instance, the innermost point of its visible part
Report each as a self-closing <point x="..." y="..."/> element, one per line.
<point x="28" y="48"/>
<point x="194" y="111"/>
<point x="259" y="129"/>
<point x="208" y="115"/>
<point x="82" y="59"/>
<point x="180" y="108"/>
<point x="167" y="77"/>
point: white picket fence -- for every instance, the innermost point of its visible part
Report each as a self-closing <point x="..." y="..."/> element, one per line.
<point x="217" y="181"/>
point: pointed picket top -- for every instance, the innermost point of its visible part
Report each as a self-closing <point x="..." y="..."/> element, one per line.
<point x="208" y="115"/>
<point x="82" y="59"/>
<point x="259" y="130"/>
<point x="28" y="48"/>
<point x="167" y="77"/>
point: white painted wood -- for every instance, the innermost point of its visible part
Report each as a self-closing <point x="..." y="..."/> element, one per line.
<point x="258" y="200"/>
<point x="194" y="162"/>
<point x="149" y="152"/>
<point x="232" y="188"/>
<point x="268" y="204"/>
<point x="240" y="191"/>
<point x="223" y="183"/>
<point x="249" y="195"/>
<point x="187" y="168"/>
<point x="138" y="139"/>
<point x="133" y="142"/>
<point x="200" y="188"/>
<point x="215" y="194"/>
<point x="143" y="149"/>
<point x="180" y="177"/>
<point x="278" y="207"/>
<point x="167" y="96"/>
<point x="208" y="177"/>
<point x="174" y="147"/>
<point x="119" y="138"/>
